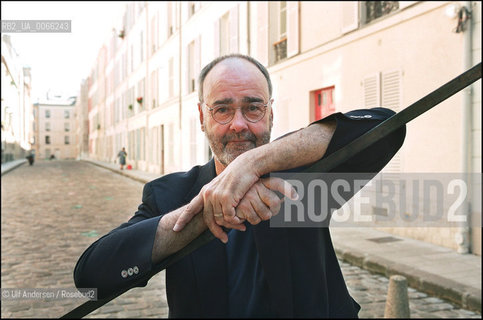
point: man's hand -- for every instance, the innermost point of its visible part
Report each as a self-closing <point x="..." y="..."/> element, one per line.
<point x="259" y="203"/>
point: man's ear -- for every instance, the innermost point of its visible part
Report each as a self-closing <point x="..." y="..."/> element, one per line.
<point x="271" y="118"/>
<point x="200" y="110"/>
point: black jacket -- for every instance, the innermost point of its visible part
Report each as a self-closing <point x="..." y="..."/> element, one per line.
<point x="300" y="264"/>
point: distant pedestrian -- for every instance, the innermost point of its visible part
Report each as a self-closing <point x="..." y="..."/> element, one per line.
<point x="30" y="157"/>
<point x="122" y="157"/>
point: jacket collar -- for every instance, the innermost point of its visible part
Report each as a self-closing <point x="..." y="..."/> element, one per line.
<point x="206" y="173"/>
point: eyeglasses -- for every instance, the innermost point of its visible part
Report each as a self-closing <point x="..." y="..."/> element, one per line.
<point x="252" y="112"/>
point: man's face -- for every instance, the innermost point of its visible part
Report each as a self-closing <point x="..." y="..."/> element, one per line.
<point x="233" y="81"/>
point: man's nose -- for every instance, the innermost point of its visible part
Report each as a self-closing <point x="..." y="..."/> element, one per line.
<point x="239" y="123"/>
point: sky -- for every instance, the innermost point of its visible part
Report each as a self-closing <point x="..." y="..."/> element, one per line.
<point x="59" y="61"/>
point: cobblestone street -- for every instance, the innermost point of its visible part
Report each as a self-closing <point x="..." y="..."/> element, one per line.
<point x="52" y="211"/>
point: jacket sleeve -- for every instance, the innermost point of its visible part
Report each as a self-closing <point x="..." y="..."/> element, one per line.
<point x="353" y="124"/>
<point x="118" y="259"/>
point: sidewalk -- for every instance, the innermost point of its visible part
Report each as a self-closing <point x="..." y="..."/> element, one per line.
<point x="433" y="269"/>
<point x="436" y="270"/>
<point x="8" y="166"/>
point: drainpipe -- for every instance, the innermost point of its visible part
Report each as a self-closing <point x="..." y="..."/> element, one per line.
<point x="463" y="233"/>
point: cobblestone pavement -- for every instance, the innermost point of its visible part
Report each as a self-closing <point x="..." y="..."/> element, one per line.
<point x="52" y="211"/>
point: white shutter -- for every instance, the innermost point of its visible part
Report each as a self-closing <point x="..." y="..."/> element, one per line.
<point x="292" y="28"/>
<point x="262" y="32"/>
<point x="197" y="64"/>
<point x="391" y="90"/>
<point x="234" y="29"/>
<point x="371" y="91"/>
<point x="391" y="99"/>
<point x="216" y="39"/>
<point x="350" y="15"/>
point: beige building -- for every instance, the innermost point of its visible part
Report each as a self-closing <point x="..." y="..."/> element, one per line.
<point x="16" y="108"/>
<point x="323" y="57"/>
<point x="55" y="128"/>
<point x="81" y="136"/>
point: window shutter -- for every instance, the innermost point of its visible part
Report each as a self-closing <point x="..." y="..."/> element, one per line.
<point x="197" y="64"/>
<point x="350" y="15"/>
<point x="292" y="28"/>
<point x="216" y="39"/>
<point x="391" y="99"/>
<point x="391" y="90"/>
<point x="371" y="91"/>
<point x="234" y="29"/>
<point x="262" y="32"/>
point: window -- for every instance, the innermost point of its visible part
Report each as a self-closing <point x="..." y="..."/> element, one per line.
<point x="224" y="34"/>
<point x="171" y="77"/>
<point x="172" y="17"/>
<point x="66" y="114"/>
<point x="191" y="67"/>
<point x="66" y="140"/>
<point x="47" y="139"/>
<point x="141" y="47"/>
<point x="47" y="113"/>
<point x="324" y="102"/>
<point x="283" y="20"/>
<point x="193" y="6"/>
<point x="193" y="145"/>
<point x="154" y="34"/>
<point x="67" y="127"/>
<point x="141" y="94"/>
<point x="47" y="126"/>
<point x="376" y="9"/>
<point x="155" y="87"/>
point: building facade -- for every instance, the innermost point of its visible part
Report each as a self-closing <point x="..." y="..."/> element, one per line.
<point x="323" y="57"/>
<point x="81" y="123"/>
<point x="16" y="108"/>
<point x="56" y="131"/>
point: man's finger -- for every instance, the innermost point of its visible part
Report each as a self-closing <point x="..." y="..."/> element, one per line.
<point x="209" y="219"/>
<point x="281" y="186"/>
<point x="192" y="209"/>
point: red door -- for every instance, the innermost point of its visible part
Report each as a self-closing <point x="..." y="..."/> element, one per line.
<point x="324" y="102"/>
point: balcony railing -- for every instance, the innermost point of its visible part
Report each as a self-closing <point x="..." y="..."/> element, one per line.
<point x="280" y="49"/>
<point x="377" y="9"/>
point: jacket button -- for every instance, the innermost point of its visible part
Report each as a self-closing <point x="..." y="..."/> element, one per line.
<point x="136" y="269"/>
<point x="130" y="271"/>
<point x="124" y="273"/>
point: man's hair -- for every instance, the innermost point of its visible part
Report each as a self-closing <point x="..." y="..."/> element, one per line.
<point x="213" y="63"/>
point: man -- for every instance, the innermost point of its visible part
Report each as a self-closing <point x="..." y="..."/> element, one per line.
<point x="255" y="270"/>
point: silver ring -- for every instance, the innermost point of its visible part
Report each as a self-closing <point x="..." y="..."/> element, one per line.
<point x="218" y="215"/>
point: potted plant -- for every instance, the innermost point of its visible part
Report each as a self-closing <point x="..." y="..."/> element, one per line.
<point x="139" y="100"/>
<point x="121" y="34"/>
<point x="130" y="107"/>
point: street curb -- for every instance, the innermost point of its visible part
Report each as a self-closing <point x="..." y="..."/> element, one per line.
<point x="465" y="296"/>
<point x="126" y="174"/>
<point x="6" y="170"/>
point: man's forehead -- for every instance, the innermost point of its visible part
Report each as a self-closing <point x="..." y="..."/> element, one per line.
<point x="234" y="71"/>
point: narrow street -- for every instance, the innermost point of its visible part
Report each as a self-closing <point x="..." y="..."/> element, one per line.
<point x="52" y="211"/>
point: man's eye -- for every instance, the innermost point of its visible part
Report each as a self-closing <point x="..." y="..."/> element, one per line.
<point x="222" y="110"/>
<point x="253" y="108"/>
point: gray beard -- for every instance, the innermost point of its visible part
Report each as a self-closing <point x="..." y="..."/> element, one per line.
<point x="225" y="156"/>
